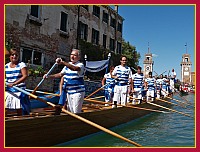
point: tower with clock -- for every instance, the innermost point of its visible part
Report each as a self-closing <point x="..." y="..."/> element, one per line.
<point x="148" y="64"/>
<point x="186" y="69"/>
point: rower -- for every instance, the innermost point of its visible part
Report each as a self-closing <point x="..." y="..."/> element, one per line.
<point x="109" y="89"/>
<point x="161" y="87"/>
<point x="151" y="83"/>
<point x="138" y="83"/>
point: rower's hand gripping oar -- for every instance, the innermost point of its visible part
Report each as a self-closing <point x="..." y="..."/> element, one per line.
<point x="80" y="118"/>
<point x="44" y="78"/>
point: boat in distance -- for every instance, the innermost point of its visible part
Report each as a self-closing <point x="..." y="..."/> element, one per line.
<point x="47" y="129"/>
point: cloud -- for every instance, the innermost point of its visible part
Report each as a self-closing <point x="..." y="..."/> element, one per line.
<point x="154" y="55"/>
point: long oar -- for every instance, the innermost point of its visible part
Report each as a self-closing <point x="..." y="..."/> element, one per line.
<point x="180" y="101"/>
<point x="43" y="92"/>
<point x="101" y="102"/>
<point x="44" y="78"/>
<point x="171" y="103"/>
<point x="169" y="109"/>
<point x="80" y="118"/>
<point x="97" y="97"/>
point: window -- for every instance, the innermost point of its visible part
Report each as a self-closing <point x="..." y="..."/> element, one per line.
<point x="112" y="44"/>
<point x="85" y="6"/>
<point x="119" y="48"/>
<point x="96" y="11"/>
<point x="95" y="36"/>
<point x="119" y="27"/>
<point x="63" y="23"/>
<point x="104" y="41"/>
<point x="31" y="56"/>
<point x="186" y="59"/>
<point x="113" y="22"/>
<point x="83" y="31"/>
<point x="35" y="10"/>
<point x="105" y="17"/>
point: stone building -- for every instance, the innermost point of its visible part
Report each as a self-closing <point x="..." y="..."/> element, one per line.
<point x="186" y="73"/>
<point x="45" y="32"/>
<point x="148" y="63"/>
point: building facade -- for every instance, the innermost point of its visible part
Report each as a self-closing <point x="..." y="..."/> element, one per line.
<point x="148" y="63"/>
<point x="45" y="32"/>
<point x="186" y="74"/>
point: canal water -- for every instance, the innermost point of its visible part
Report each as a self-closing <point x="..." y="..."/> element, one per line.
<point x="154" y="130"/>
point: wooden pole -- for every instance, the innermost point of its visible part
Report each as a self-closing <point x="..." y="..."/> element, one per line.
<point x="169" y="109"/>
<point x="101" y="102"/>
<point x="44" y="78"/>
<point x="179" y="101"/>
<point x="53" y="94"/>
<point x="171" y="103"/>
<point x="80" y="118"/>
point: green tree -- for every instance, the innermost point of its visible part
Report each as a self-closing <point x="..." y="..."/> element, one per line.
<point x="130" y="52"/>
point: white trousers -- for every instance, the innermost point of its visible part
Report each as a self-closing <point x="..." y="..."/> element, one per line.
<point x="172" y="85"/>
<point x="150" y="93"/>
<point x="75" y="102"/>
<point x="120" y="94"/>
<point x="12" y="100"/>
<point x="137" y="95"/>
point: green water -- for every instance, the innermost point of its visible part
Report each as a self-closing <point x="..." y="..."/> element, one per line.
<point x="155" y="130"/>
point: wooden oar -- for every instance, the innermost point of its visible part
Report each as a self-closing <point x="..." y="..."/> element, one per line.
<point x="80" y="118"/>
<point x="171" y="103"/>
<point x="97" y="97"/>
<point x="53" y="94"/>
<point x="180" y="101"/>
<point x="170" y="109"/>
<point x="101" y="102"/>
<point x="44" y="78"/>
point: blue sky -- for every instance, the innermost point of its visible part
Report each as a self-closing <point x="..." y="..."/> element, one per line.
<point x="167" y="28"/>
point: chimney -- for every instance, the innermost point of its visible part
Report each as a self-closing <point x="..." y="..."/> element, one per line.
<point x="116" y="8"/>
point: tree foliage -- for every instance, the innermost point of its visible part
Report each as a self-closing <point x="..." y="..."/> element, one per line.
<point x="96" y="53"/>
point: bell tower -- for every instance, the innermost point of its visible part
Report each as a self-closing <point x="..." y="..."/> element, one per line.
<point x="186" y="69"/>
<point x="148" y="63"/>
<point x="186" y="64"/>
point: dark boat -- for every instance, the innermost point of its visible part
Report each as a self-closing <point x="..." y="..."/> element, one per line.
<point x="183" y="93"/>
<point x="46" y="129"/>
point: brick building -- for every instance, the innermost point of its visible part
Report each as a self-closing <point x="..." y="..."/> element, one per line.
<point x="44" y="32"/>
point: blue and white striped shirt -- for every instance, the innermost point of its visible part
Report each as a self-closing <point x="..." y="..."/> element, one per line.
<point x="150" y="83"/>
<point x="13" y="74"/>
<point x="123" y="74"/>
<point x="138" y="80"/>
<point x="74" y="79"/>
<point x="110" y="81"/>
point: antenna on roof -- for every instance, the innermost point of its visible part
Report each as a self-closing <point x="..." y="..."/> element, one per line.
<point x="148" y="48"/>
<point x="186" y="47"/>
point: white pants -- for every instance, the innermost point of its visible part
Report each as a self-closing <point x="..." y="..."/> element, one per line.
<point x="172" y="85"/>
<point x="12" y="100"/>
<point x="137" y="95"/>
<point x="150" y="93"/>
<point x="120" y="94"/>
<point x="75" y="102"/>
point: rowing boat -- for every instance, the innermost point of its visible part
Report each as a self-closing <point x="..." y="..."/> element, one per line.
<point x="46" y="129"/>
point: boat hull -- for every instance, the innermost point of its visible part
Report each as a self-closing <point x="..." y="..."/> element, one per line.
<point x="45" y="131"/>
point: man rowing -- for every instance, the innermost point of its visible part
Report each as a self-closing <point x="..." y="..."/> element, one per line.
<point x="151" y="83"/>
<point x="138" y="83"/>
<point x="124" y="85"/>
